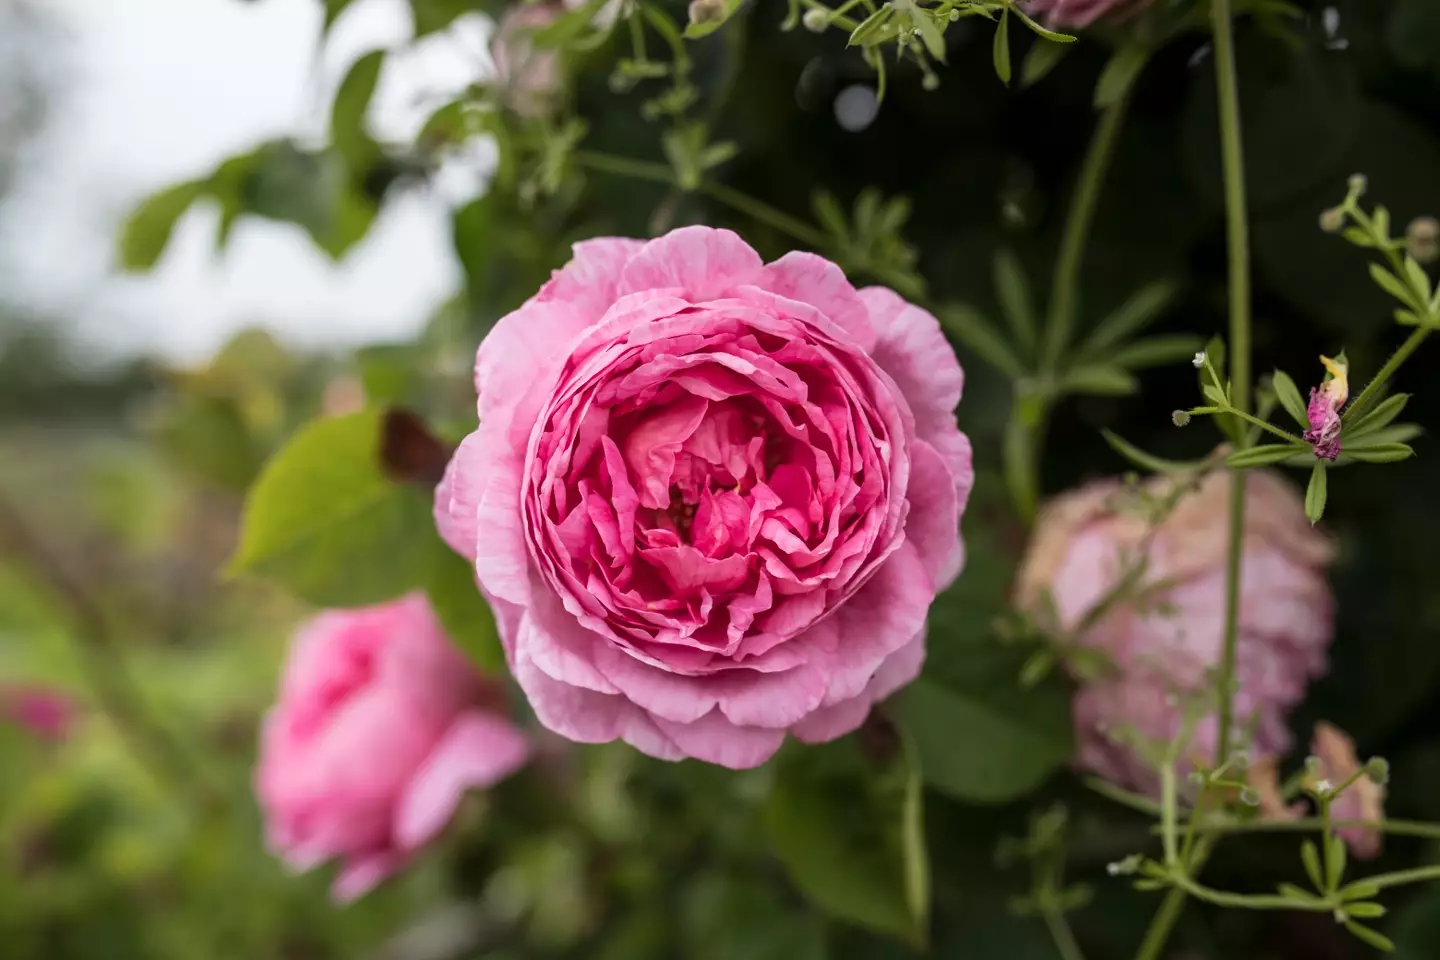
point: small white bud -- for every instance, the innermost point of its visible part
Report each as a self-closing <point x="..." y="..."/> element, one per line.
<point x="816" y="20"/>
<point x="1359" y="183"/>
<point x="1199" y="360"/>
<point x="1324" y="787"/>
<point x="1249" y="797"/>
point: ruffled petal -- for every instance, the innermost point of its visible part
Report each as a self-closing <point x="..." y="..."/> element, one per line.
<point x="701" y="261"/>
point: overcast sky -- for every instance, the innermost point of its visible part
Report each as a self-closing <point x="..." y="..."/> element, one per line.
<point x="154" y="91"/>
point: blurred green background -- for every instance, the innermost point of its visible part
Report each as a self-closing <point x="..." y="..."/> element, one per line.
<point x="129" y="466"/>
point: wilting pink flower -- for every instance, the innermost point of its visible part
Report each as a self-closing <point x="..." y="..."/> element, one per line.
<point x="380" y="728"/>
<point x="710" y="500"/>
<point x="48" y="714"/>
<point x="1324" y="412"/>
<point x="1166" y="637"/>
<point x="1079" y="14"/>
<point x="1362" y="800"/>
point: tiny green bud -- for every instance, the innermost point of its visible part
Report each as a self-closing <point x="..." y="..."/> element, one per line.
<point x="707" y="11"/>
<point x="931" y="81"/>
<point x="953" y="16"/>
<point x="1422" y="239"/>
<point x="816" y="20"/>
<point x="1378" y="770"/>
<point x="1126" y="867"/>
<point x="1359" y="183"/>
<point x="1180" y="418"/>
<point x="1249" y="797"/>
<point x="1332" y="220"/>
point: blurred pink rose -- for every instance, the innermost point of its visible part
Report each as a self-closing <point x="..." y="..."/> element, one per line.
<point x="710" y="500"/>
<point x="380" y="728"/>
<point x="47" y="713"/>
<point x="1362" y="800"/>
<point x="529" y="75"/>
<point x="1079" y="14"/>
<point x="1164" y="650"/>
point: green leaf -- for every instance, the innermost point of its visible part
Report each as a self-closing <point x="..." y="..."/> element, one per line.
<point x="1001" y="49"/>
<point x="207" y="435"/>
<point x="930" y="34"/>
<point x="1120" y="74"/>
<point x="1394" y="286"/>
<point x="325" y="521"/>
<point x="971" y="328"/>
<point x="1419" y="280"/>
<point x="147" y="230"/>
<point x="1014" y="738"/>
<point x="1215" y="395"/>
<point x="849" y="831"/>
<point x="434" y="15"/>
<point x="1395" y="433"/>
<point x="869" y="29"/>
<point x="1316" y="493"/>
<point x="1289" y="396"/>
<point x="1377" y="940"/>
<point x="694" y="31"/>
<point x="1380" y="453"/>
<point x="1379" y="417"/>
<point x="1157" y="351"/>
<point x="347" y="115"/>
<point x="1042" y="58"/>
<point x="1100" y="379"/>
<point x="1051" y="35"/>
<point x="1147" y="461"/>
<point x="1143" y="308"/>
<point x="1365" y="911"/>
<point x="333" y="9"/>
<point x="1014" y="293"/>
<point x="462" y="609"/>
<point x="1310" y="856"/>
<point x="1263" y="455"/>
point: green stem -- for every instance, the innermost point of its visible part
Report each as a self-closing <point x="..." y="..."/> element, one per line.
<point x="1168" y="816"/>
<point x="1060" y="932"/>
<point x="1238" y="241"/>
<point x="1165" y="919"/>
<point x="1401" y="878"/>
<point x="1248" y="901"/>
<point x="1397" y="828"/>
<point x="624" y="166"/>
<point x="1064" y="289"/>
<point x="1386" y="372"/>
<point x="763" y="212"/>
<point x="1250" y="418"/>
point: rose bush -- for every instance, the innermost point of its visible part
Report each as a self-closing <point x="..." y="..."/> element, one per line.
<point x="1163" y="648"/>
<point x="710" y="499"/>
<point x="380" y="728"/>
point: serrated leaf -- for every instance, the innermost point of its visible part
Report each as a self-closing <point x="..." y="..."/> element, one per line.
<point x="1139" y="311"/>
<point x="1263" y="455"/>
<point x="1147" y="461"/>
<point x="1289" y="396"/>
<point x="1394" y="286"/>
<point x="971" y="328"/>
<point x="1377" y="940"/>
<point x="1379" y="417"/>
<point x="324" y="521"/>
<point x="1120" y="74"/>
<point x="1014" y="293"/>
<point x="1099" y="379"/>
<point x="1000" y="51"/>
<point x="1316" y="493"/>
<point x="347" y="114"/>
<point x="1380" y="453"/>
<point x="1044" y="56"/>
<point x="1015" y="737"/>
<point x="1156" y="351"/>
<point x="849" y="831"/>
<point x="147" y="230"/>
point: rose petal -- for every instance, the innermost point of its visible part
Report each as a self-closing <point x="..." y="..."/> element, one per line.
<point x="934" y="516"/>
<point x="701" y="261"/>
<point x="590" y="281"/>
<point x="478" y="751"/>
<point x="814" y="280"/>
<point x="714" y="739"/>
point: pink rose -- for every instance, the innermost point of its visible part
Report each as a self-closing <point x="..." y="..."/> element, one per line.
<point x="530" y="75"/>
<point x="1164" y="646"/>
<point x="380" y="729"/>
<point x="710" y="500"/>
<point x="48" y="714"/>
<point x="1079" y="14"/>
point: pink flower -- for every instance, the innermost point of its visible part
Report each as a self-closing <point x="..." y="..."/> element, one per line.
<point x="1165" y="639"/>
<point x="48" y="714"/>
<point x="380" y="729"/>
<point x="530" y="75"/>
<point x="710" y="500"/>
<point x="1324" y="412"/>
<point x="1079" y="14"/>
<point x="1362" y="800"/>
